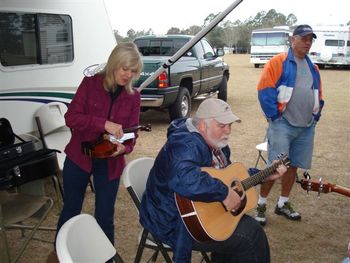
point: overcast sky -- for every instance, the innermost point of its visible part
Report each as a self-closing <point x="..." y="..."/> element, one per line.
<point x="161" y="15"/>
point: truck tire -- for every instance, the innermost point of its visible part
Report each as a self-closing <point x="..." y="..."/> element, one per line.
<point x="181" y="108"/>
<point x="222" y="95"/>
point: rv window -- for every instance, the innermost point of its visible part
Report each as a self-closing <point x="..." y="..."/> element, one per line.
<point x="269" y="39"/>
<point x="335" y="43"/>
<point x="35" y="39"/>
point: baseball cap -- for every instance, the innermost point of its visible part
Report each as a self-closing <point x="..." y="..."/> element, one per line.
<point x="304" y="30"/>
<point x="216" y="109"/>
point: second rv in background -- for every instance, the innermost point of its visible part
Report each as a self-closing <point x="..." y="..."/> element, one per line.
<point x="330" y="48"/>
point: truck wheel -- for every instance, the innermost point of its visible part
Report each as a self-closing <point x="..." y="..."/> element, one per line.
<point x="256" y="65"/>
<point x="222" y="95"/>
<point x="182" y="105"/>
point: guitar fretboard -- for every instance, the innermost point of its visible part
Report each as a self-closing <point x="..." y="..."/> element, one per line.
<point x="260" y="176"/>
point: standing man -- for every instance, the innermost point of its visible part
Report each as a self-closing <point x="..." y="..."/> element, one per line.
<point x="290" y="95"/>
<point x="201" y="141"/>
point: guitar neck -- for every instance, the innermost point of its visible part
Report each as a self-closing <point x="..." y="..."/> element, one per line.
<point x="341" y="190"/>
<point x="260" y="176"/>
<point x="132" y="129"/>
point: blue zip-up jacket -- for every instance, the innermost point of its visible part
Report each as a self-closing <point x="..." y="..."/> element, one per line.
<point x="277" y="81"/>
<point x="177" y="169"/>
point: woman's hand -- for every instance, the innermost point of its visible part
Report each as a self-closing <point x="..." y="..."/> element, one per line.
<point x="120" y="149"/>
<point x="114" y="128"/>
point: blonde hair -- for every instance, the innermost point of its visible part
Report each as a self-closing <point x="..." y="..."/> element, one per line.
<point x="124" y="55"/>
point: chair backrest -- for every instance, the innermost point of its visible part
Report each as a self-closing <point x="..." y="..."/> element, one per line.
<point x="52" y="128"/>
<point x="135" y="176"/>
<point x="51" y="116"/>
<point x="81" y="239"/>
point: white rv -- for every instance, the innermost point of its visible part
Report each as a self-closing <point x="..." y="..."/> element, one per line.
<point x="44" y="48"/>
<point x="331" y="47"/>
<point x="267" y="42"/>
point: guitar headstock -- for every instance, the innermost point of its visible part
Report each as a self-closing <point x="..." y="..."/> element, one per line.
<point x="312" y="185"/>
<point x="283" y="159"/>
<point x="146" y="127"/>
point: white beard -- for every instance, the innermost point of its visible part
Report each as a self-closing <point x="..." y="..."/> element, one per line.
<point x="217" y="143"/>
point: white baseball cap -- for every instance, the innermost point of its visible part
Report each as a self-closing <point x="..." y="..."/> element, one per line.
<point x="216" y="109"/>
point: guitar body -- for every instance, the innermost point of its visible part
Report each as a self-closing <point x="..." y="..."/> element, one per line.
<point x="211" y="221"/>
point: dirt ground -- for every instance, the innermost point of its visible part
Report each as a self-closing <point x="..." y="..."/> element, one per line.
<point x="324" y="231"/>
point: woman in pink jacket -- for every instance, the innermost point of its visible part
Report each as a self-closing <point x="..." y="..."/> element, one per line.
<point x="103" y="103"/>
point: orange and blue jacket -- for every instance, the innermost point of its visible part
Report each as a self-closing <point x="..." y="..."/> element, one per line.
<point x="277" y="81"/>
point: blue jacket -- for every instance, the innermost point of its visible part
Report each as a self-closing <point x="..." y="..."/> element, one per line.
<point x="177" y="169"/>
<point x="277" y="81"/>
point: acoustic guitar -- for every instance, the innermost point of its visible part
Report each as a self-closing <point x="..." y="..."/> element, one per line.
<point x="210" y="221"/>
<point x="320" y="187"/>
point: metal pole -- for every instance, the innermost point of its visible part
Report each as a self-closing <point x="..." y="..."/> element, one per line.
<point x="189" y="44"/>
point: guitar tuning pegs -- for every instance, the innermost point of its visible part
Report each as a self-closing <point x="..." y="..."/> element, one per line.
<point x="307" y="176"/>
<point x="320" y="188"/>
<point x="309" y="186"/>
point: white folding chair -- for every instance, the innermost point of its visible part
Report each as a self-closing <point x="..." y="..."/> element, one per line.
<point x="82" y="240"/>
<point x="134" y="178"/>
<point x="52" y="128"/>
<point x="261" y="147"/>
<point x="23" y="212"/>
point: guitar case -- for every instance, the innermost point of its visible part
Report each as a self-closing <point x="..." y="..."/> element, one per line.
<point x="20" y="162"/>
<point x="9" y="149"/>
<point x="29" y="167"/>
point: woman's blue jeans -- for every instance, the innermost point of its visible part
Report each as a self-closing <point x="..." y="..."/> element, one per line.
<point x="75" y="181"/>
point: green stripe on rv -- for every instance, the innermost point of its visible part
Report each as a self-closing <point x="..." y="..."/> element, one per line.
<point x="39" y="94"/>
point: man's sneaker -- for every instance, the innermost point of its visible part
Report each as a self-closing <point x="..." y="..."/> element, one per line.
<point x="287" y="211"/>
<point x="260" y="214"/>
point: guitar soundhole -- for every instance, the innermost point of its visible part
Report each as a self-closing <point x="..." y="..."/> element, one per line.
<point x="238" y="187"/>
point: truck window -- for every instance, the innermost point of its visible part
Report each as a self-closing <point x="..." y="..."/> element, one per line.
<point x="28" y="38"/>
<point x="208" y="50"/>
<point x="179" y="43"/>
<point x="160" y="47"/>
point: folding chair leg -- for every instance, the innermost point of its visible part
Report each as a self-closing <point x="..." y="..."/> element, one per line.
<point x="154" y="256"/>
<point x="91" y="185"/>
<point x="205" y="257"/>
<point x="163" y="251"/>
<point x="58" y="191"/>
<point x="4" y="252"/>
<point x="118" y="259"/>
<point x="260" y="156"/>
<point x="141" y="246"/>
<point x="28" y="238"/>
